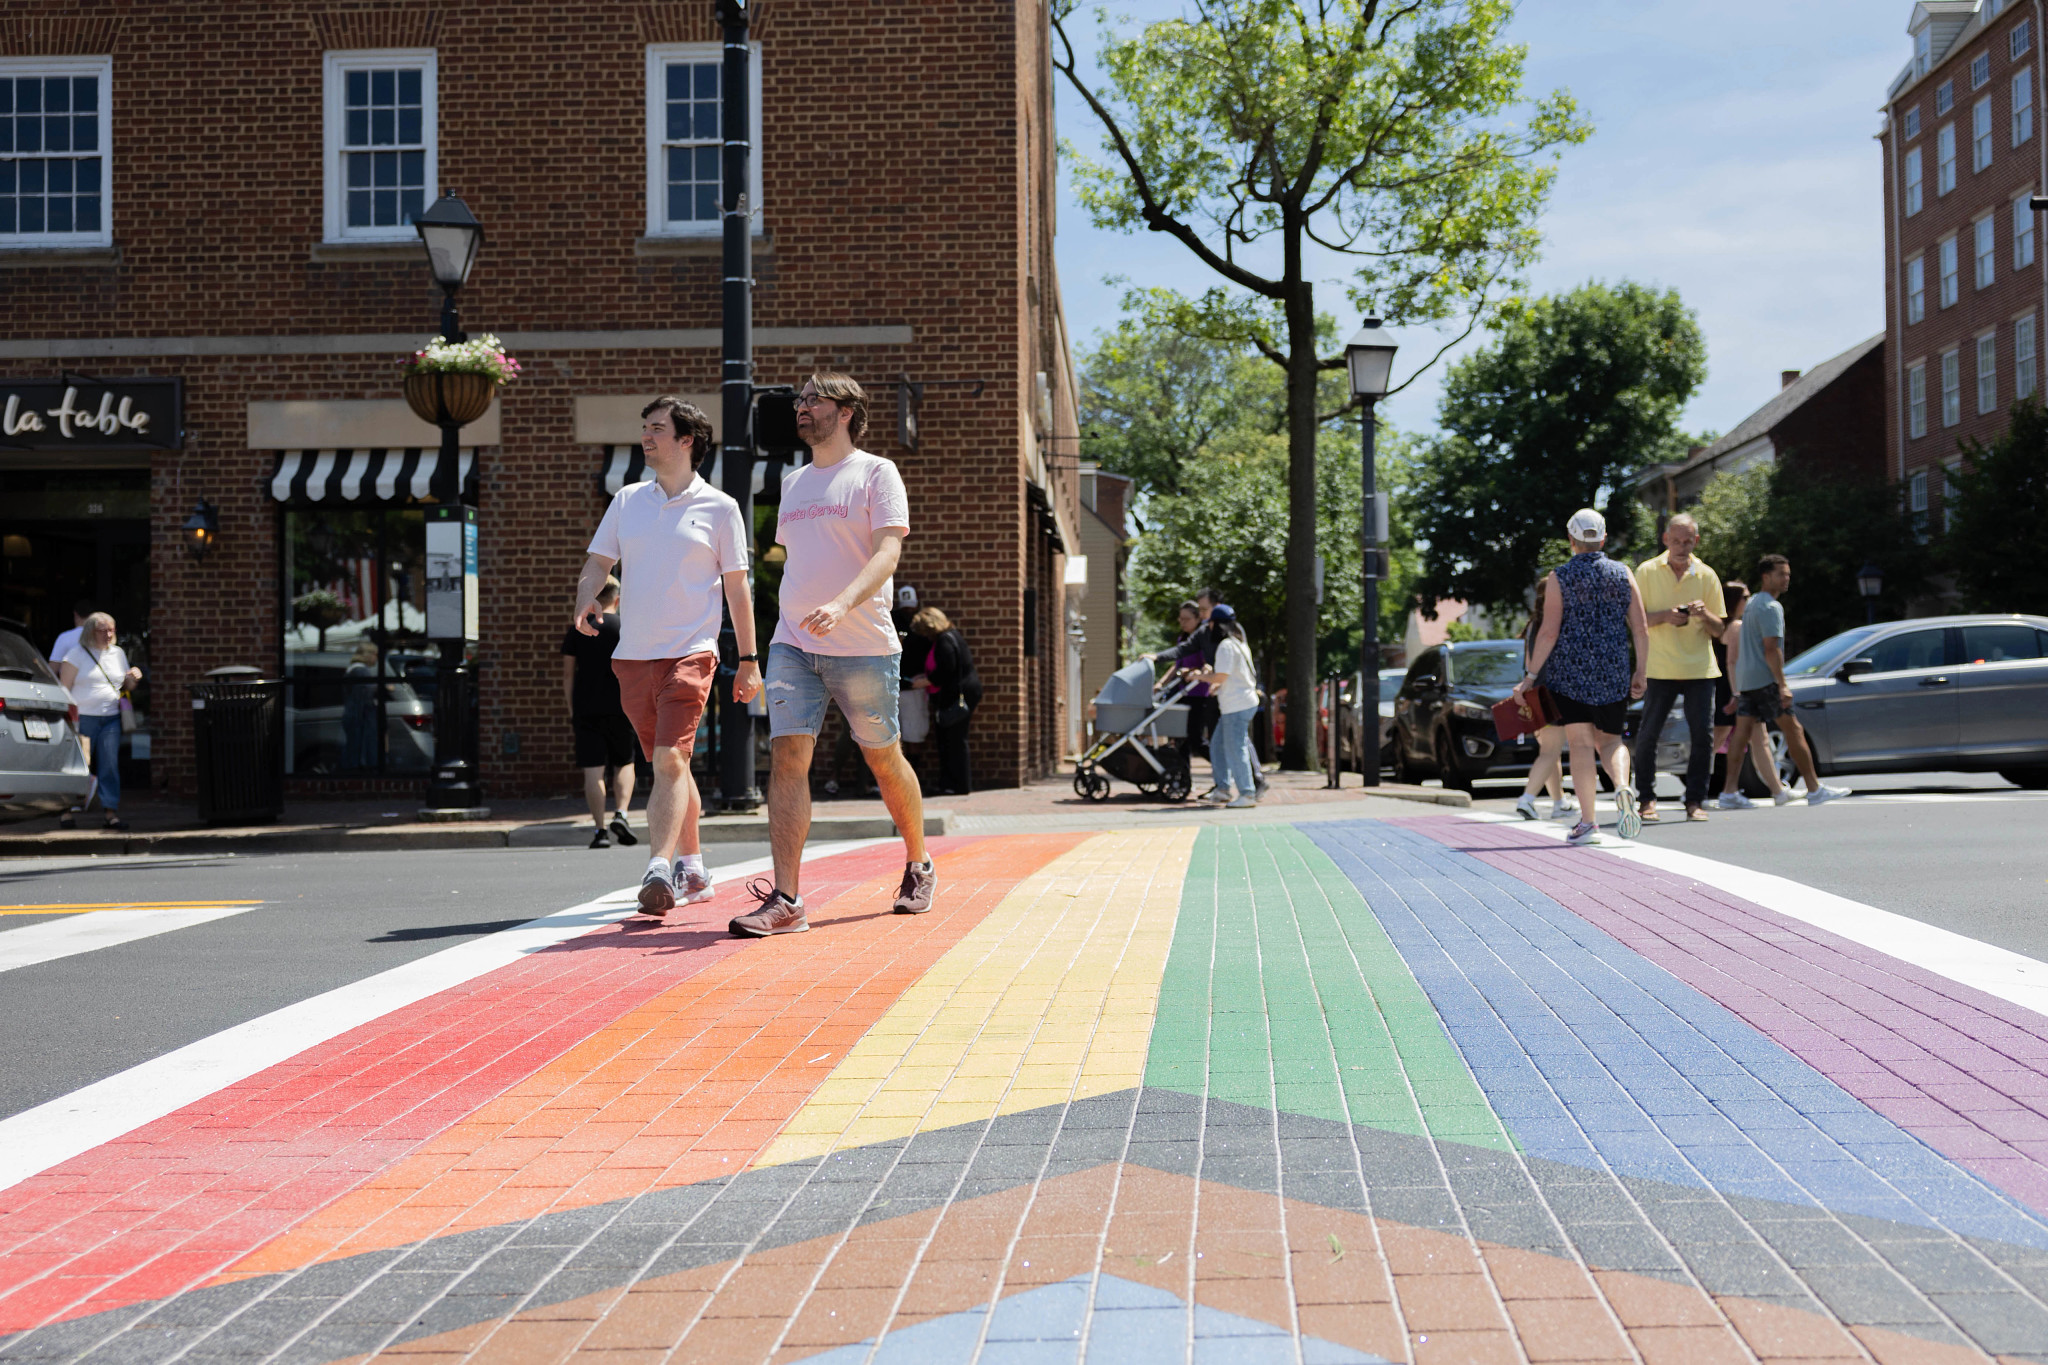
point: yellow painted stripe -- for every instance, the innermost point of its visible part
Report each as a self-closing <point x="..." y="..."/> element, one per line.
<point x="83" y="907"/>
<point x="1049" y="999"/>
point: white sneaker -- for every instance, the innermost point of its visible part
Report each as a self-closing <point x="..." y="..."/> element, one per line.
<point x="1217" y="797"/>
<point x="1824" y="793"/>
<point x="1584" y="832"/>
<point x="692" y="888"/>
<point x="1560" y="809"/>
<point x="1243" y="803"/>
<point x="1735" y="801"/>
<point x="1526" y="808"/>
<point x="1783" y="797"/>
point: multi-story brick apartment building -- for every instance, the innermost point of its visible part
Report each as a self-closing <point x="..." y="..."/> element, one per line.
<point x="217" y="193"/>
<point x="1963" y="149"/>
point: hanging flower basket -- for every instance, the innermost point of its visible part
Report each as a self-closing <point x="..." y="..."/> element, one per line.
<point x="455" y="382"/>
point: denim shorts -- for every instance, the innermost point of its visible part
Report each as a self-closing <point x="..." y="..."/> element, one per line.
<point x="799" y="683"/>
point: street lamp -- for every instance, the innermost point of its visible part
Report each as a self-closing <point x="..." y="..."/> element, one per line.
<point x="452" y="236"/>
<point x="1369" y="357"/>
<point x="1870" y="582"/>
<point x="202" y="529"/>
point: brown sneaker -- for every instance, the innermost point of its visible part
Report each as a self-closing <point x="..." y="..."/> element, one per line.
<point x="920" y="886"/>
<point x="777" y="914"/>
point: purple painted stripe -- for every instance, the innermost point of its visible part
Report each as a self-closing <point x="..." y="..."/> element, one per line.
<point x="1963" y="1071"/>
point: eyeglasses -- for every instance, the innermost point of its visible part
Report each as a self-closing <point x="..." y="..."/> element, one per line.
<point x="811" y="400"/>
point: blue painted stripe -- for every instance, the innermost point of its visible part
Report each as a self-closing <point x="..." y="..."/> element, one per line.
<point x="1591" y="1054"/>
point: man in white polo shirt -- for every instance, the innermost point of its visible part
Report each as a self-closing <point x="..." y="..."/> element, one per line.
<point x="842" y="520"/>
<point x="677" y="541"/>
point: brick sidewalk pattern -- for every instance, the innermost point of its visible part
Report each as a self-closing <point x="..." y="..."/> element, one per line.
<point x="1422" y="1089"/>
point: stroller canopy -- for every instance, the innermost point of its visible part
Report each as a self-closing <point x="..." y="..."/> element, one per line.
<point x="1130" y="685"/>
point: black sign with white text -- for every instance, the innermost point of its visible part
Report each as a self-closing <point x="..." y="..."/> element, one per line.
<point x="81" y="414"/>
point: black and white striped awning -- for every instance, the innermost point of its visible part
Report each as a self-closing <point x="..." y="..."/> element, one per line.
<point x="363" y="475"/>
<point x="628" y="464"/>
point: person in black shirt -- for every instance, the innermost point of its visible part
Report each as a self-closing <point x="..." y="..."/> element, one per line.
<point x="606" y="748"/>
<point x="946" y="670"/>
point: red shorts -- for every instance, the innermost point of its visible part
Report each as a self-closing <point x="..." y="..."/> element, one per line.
<point x="664" y="698"/>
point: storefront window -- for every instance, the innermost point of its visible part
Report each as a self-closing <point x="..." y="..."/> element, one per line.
<point x="358" y="668"/>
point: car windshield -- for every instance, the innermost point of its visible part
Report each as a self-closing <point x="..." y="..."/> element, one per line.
<point x="20" y="660"/>
<point x="1487" y="667"/>
<point x="1808" y="662"/>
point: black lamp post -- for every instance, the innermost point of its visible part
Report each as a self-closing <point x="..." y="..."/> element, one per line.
<point x="1870" y="582"/>
<point x="202" y="529"/>
<point x="1369" y="356"/>
<point x="452" y="236"/>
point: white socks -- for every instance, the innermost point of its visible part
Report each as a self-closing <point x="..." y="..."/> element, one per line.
<point x="659" y="865"/>
<point x="690" y="862"/>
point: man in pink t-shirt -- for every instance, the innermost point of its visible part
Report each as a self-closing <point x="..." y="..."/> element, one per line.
<point x="842" y="522"/>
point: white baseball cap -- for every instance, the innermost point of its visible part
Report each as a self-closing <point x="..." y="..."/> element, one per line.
<point x="906" y="596"/>
<point x="1586" y="524"/>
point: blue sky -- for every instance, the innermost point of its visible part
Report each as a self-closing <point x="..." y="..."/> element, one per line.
<point x="1733" y="158"/>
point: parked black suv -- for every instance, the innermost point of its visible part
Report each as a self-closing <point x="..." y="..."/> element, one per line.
<point x="1443" y="715"/>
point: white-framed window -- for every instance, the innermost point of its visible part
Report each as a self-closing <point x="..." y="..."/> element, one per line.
<point x="1923" y="51"/>
<point x="1913" y="121"/>
<point x="1913" y="186"/>
<point x="1986" y="253"/>
<point x="1949" y="272"/>
<point x="54" y="119"/>
<point x="2023" y="357"/>
<point x="2020" y="39"/>
<point x="1916" y="399"/>
<point x="1949" y="469"/>
<point x="1944" y="98"/>
<point x="1992" y="9"/>
<point x="1916" y="493"/>
<point x="1987" y="373"/>
<point x="1980" y="70"/>
<point x="2022" y="105"/>
<point x="1916" y="289"/>
<point x="1980" y="134"/>
<point x="2022" y="233"/>
<point x="1945" y="159"/>
<point x="380" y="143"/>
<point x="685" y="161"/>
<point x="1951" y="388"/>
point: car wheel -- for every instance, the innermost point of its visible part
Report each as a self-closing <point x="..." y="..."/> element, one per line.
<point x="1455" y="777"/>
<point x="2033" y="779"/>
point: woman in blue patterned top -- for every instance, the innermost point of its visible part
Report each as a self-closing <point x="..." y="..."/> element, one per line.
<point x="1592" y="610"/>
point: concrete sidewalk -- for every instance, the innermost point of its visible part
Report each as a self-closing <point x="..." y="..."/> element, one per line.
<point x="163" y="826"/>
<point x="1427" y="1089"/>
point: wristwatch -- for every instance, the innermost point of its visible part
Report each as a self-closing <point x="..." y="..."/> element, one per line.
<point x="750" y="658"/>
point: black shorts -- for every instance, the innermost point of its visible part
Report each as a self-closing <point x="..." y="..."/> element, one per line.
<point x="1760" y="702"/>
<point x="604" y="741"/>
<point x="1609" y="717"/>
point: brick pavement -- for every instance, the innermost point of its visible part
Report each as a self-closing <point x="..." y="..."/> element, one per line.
<point x="1423" y="1089"/>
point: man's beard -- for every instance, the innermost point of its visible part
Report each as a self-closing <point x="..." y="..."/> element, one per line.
<point x="812" y="432"/>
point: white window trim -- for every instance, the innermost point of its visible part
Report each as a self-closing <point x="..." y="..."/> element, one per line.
<point x="1987" y="375"/>
<point x="1916" y="402"/>
<point x="1945" y="160"/>
<point x="2025" y="361"/>
<point x="1983" y="136"/>
<point x="1983" y="252"/>
<point x="1915" y="182"/>
<point x="2021" y="114"/>
<point x="1948" y="271"/>
<point x="1916" y="289"/>
<point x="1951" y="386"/>
<point x="2023" y="232"/>
<point x="657" y="118"/>
<point x="2018" y="39"/>
<point x="335" y="67"/>
<point x="1916" y="491"/>
<point x="103" y="67"/>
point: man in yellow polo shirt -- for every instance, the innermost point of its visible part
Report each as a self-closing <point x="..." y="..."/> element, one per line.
<point x="1682" y="597"/>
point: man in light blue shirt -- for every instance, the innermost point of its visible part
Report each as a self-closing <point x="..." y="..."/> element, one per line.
<point x="1761" y="693"/>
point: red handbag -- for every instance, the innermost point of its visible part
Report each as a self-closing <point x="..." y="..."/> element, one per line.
<point x="1526" y="714"/>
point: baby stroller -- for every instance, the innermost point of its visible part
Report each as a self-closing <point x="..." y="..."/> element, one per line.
<point x="1135" y="733"/>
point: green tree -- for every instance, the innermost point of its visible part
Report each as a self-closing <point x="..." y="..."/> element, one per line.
<point x="1578" y="391"/>
<point x="1151" y="398"/>
<point x="1998" y="505"/>
<point x="1258" y="133"/>
<point x="1731" y="513"/>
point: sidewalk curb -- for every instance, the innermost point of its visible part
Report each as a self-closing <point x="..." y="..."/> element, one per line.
<point x="1433" y="796"/>
<point x="718" y="829"/>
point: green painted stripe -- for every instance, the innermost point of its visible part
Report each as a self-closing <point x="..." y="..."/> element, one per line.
<point x="1282" y="991"/>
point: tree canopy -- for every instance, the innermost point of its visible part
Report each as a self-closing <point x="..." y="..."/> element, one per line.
<point x="1998" y="505"/>
<point x="1577" y="392"/>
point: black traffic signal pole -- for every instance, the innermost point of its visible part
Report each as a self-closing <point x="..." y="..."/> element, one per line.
<point x="735" y="726"/>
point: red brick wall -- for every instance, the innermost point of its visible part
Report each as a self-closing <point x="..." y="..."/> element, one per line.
<point x="2013" y="171"/>
<point x="1840" y="430"/>
<point x="903" y="146"/>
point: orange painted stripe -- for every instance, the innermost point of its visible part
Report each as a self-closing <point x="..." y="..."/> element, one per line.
<point x="690" y="1086"/>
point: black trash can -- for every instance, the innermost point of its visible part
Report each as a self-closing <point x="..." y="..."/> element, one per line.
<point x="238" y="740"/>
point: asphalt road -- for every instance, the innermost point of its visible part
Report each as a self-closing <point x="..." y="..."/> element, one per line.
<point x="1966" y="851"/>
<point x="327" y="919"/>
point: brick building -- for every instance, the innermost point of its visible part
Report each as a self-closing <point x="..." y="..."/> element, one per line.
<point x="219" y="194"/>
<point x="1963" y="149"/>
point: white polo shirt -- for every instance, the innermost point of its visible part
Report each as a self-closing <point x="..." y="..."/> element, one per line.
<point x="671" y="553"/>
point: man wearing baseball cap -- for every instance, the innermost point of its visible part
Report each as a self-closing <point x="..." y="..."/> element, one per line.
<point x="1592" y="613"/>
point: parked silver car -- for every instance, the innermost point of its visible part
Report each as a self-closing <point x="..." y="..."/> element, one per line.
<point x="42" y="768"/>
<point x="1937" y="694"/>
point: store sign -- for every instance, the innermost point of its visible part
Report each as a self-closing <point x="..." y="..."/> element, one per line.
<point x="117" y="414"/>
<point x="451" y="573"/>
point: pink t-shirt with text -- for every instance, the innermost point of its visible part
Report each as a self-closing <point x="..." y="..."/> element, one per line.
<point x="827" y="523"/>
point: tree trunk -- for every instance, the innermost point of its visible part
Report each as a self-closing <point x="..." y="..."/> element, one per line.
<point x="1299" y="752"/>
